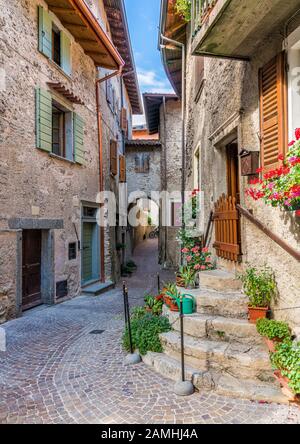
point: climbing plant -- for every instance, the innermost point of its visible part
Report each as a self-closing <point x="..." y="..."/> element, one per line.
<point x="183" y="8"/>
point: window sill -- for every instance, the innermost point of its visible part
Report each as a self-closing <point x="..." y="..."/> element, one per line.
<point x="55" y="156"/>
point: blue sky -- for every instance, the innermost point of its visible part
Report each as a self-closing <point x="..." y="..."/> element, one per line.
<point x="143" y="21"/>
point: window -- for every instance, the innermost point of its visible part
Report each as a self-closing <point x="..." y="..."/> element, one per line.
<point x="113" y="157"/>
<point x="272" y="88"/>
<point x="142" y="163"/>
<point x="72" y="251"/>
<point x="58" y="130"/>
<point x="56" y="45"/>
<point x="53" y="42"/>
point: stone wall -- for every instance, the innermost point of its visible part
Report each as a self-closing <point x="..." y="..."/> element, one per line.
<point x="34" y="184"/>
<point x="228" y="108"/>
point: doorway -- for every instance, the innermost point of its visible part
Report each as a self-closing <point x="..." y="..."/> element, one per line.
<point x="31" y="269"/>
<point x="233" y="182"/>
<point x="90" y="259"/>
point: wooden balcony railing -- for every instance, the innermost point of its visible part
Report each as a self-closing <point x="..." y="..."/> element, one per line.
<point x="200" y="12"/>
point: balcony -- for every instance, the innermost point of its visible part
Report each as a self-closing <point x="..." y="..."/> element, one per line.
<point x="234" y="28"/>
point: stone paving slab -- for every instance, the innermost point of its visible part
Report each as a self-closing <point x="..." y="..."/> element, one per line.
<point x="56" y="371"/>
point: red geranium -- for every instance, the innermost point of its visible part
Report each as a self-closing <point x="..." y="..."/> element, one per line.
<point x="297" y="133"/>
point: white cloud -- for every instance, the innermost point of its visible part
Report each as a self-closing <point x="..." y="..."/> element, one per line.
<point x="150" y="82"/>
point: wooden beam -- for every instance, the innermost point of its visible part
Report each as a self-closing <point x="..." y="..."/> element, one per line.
<point x="59" y="10"/>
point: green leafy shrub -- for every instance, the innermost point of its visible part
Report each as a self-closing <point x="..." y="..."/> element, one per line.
<point x="287" y="360"/>
<point x="145" y="333"/>
<point x="259" y="286"/>
<point x="138" y="313"/>
<point x="131" y="264"/>
<point x="273" y="329"/>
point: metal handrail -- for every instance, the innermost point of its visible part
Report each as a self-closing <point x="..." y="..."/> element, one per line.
<point x="284" y="245"/>
<point x="199" y="9"/>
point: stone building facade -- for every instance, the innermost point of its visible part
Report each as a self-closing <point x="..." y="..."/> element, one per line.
<point x="223" y="110"/>
<point x="49" y="158"/>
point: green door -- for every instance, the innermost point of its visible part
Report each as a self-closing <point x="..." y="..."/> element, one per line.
<point x="87" y="258"/>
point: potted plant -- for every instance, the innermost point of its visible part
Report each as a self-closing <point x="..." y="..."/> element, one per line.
<point x="260" y="287"/>
<point x="286" y="361"/>
<point x="153" y="305"/>
<point x="274" y="332"/>
<point x="188" y="275"/>
<point x="168" y="290"/>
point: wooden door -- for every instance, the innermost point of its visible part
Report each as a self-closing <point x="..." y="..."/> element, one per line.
<point x="31" y="270"/>
<point x="87" y="257"/>
<point x="233" y="182"/>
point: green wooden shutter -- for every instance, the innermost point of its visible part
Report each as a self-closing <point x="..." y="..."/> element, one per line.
<point x="45" y="32"/>
<point x="43" y="120"/>
<point x="65" y="53"/>
<point x="78" y="128"/>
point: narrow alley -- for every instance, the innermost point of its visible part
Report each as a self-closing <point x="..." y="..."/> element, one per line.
<point x="56" y="370"/>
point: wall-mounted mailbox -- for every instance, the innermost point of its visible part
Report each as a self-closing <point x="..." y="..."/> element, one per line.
<point x="249" y="162"/>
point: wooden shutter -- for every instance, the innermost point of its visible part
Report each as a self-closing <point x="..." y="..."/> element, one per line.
<point x="43" y="120"/>
<point x="122" y="162"/>
<point x="124" y="119"/>
<point x="45" y="32"/>
<point x="65" y="43"/>
<point x="78" y="135"/>
<point x="273" y="111"/>
<point x="113" y="157"/>
<point x="138" y="163"/>
<point x="199" y="74"/>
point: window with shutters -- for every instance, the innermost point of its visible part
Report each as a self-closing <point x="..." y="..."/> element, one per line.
<point x="122" y="163"/>
<point x="273" y="111"/>
<point x="114" y="157"/>
<point x="59" y="131"/>
<point x="199" y="76"/>
<point x="54" y="43"/>
<point x="293" y="82"/>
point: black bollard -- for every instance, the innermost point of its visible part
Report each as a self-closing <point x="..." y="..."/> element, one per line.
<point x="183" y="387"/>
<point x="125" y="305"/>
<point x="128" y="320"/>
<point x="182" y="340"/>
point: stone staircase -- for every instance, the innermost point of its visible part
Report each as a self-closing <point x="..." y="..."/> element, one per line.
<point x="223" y="352"/>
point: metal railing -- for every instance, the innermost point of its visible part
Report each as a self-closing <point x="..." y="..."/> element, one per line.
<point x="200" y="11"/>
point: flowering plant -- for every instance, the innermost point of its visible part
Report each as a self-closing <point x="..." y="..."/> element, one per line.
<point x="198" y="259"/>
<point x="184" y="8"/>
<point x="280" y="187"/>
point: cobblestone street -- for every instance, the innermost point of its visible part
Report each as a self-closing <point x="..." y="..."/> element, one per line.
<point x="56" y="371"/>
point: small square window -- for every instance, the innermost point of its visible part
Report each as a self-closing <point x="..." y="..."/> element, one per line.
<point x="72" y="251"/>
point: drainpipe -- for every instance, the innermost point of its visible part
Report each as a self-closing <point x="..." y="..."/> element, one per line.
<point x="180" y="45"/>
<point x="166" y="175"/>
<point x="101" y="174"/>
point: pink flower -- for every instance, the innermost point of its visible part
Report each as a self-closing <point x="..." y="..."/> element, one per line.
<point x="292" y="143"/>
<point x="208" y="259"/>
<point x="271" y="186"/>
<point x="185" y="250"/>
<point x="205" y="250"/>
<point x="195" y="250"/>
<point x="203" y="267"/>
<point x="297" y="133"/>
<point x="197" y="267"/>
<point x="189" y="258"/>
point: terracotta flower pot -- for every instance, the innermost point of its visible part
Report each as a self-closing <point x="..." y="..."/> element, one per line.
<point x="174" y="306"/>
<point x="271" y="344"/>
<point x="256" y="313"/>
<point x="284" y="382"/>
<point x="179" y="282"/>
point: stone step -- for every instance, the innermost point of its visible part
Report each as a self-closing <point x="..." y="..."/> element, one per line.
<point x="225" y="385"/>
<point x="239" y="360"/>
<point x="220" y="280"/>
<point x="218" y="328"/>
<point x="97" y="288"/>
<point x="231" y="305"/>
